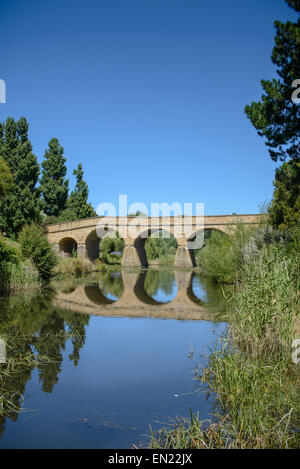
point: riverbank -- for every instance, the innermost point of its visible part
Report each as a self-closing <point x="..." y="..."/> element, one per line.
<point x="252" y="375"/>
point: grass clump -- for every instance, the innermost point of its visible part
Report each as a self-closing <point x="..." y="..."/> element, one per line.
<point x="73" y="266"/>
<point x="16" y="273"/>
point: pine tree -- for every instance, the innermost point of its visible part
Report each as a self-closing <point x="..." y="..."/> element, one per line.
<point x="277" y="117"/>
<point x="53" y="185"/>
<point x="79" y="196"/>
<point x="21" y="204"/>
<point x="6" y="179"/>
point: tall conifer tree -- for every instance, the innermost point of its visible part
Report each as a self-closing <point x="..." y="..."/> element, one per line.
<point x="53" y="185"/>
<point x="79" y="197"/>
<point x="21" y="204"/>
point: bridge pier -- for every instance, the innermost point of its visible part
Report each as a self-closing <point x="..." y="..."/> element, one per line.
<point x="183" y="257"/>
<point x="130" y="257"/>
<point x="81" y="250"/>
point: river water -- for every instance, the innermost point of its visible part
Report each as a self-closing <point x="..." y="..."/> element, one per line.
<point x="134" y="341"/>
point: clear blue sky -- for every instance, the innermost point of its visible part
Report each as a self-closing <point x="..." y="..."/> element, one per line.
<point x="148" y="95"/>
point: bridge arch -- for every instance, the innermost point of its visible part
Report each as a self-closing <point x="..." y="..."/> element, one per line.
<point x="201" y="236"/>
<point x="67" y="246"/>
<point x="93" y="242"/>
<point x="141" y="240"/>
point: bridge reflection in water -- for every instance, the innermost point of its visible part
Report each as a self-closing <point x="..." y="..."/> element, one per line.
<point x="129" y="296"/>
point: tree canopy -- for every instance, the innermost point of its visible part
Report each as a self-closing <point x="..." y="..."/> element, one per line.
<point x="21" y="204"/>
<point x="78" y="200"/>
<point x="6" y="179"/>
<point x="277" y="116"/>
<point x="54" y="187"/>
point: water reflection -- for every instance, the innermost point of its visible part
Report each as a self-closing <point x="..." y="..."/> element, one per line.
<point x="117" y="361"/>
<point x="34" y="329"/>
<point x="161" y="285"/>
<point x="157" y="293"/>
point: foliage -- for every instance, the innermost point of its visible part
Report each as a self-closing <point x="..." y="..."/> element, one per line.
<point x="54" y="187"/>
<point x="111" y="284"/>
<point x="16" y="274"/>
<point x="67" y="215"/>
<point x="21" y="204"/>
<point x="79" y="196"/>
<point x="159" y="279"/>
<point x="222" y="254"/>
<point x="6" y="179"/>
<point x="111" y="248"/>
<point x="72" y="266"/>
<point x="276" y="117"/>
<point x="35" y="245"/>
<point x="285" y="206"/>
<point x="160" y="244"/>
<point x="35" y="335"/>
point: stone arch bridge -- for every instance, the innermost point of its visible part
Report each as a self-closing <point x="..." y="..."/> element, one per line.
<point x="84" y="236"/>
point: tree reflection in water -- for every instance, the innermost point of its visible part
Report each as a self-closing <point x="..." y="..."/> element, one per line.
<point x="111" y="284"/>
<point x="36" y="334"/>
<point x="161" y="279"/>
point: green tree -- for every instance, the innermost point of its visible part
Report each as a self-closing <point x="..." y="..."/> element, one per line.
<point x="54" y="187"/>
<point x="276" y="117"/>
<point x="6" y="179"/>
<point x="21" y="204"/>
<point x="79" y="196"/>
<point x="110" y="245"/>
<point x="35" y="245"/>
<point x="285" y="206"/>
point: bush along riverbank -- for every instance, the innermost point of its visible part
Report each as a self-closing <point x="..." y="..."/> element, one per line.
<point x="252" y="374"/>
<point x="27" y="264"/>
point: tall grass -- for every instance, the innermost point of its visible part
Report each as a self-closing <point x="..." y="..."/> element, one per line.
<point x="16" y="273"/>
<point x="73" y="266"/>
<point x="252" y="375"/>
<point x="222" y="257"/>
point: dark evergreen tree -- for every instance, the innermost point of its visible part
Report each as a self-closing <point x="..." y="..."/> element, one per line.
<point x="21" y="204"/>
<point x="285" y="206"/>
<point x="277" y="116"/>
<point x="79" y="196"/>
<point x="53" y="185"/>
<point x="6" y="179"/>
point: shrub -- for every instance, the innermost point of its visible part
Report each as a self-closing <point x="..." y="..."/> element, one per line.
<point x="34" y="245"/>
<point x="73" y="266"/>
<point x="8" y="258"/>
<point x="223" y="256"/>
<point x="111" y="249"/>
<point x="15" y="274"/>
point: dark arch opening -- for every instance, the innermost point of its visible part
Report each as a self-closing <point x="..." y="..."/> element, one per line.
<point x="154" y="244"/>
<point x="67" y="246"/>
<point x="101" y="245"/>
<point x="92" y="246"/>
